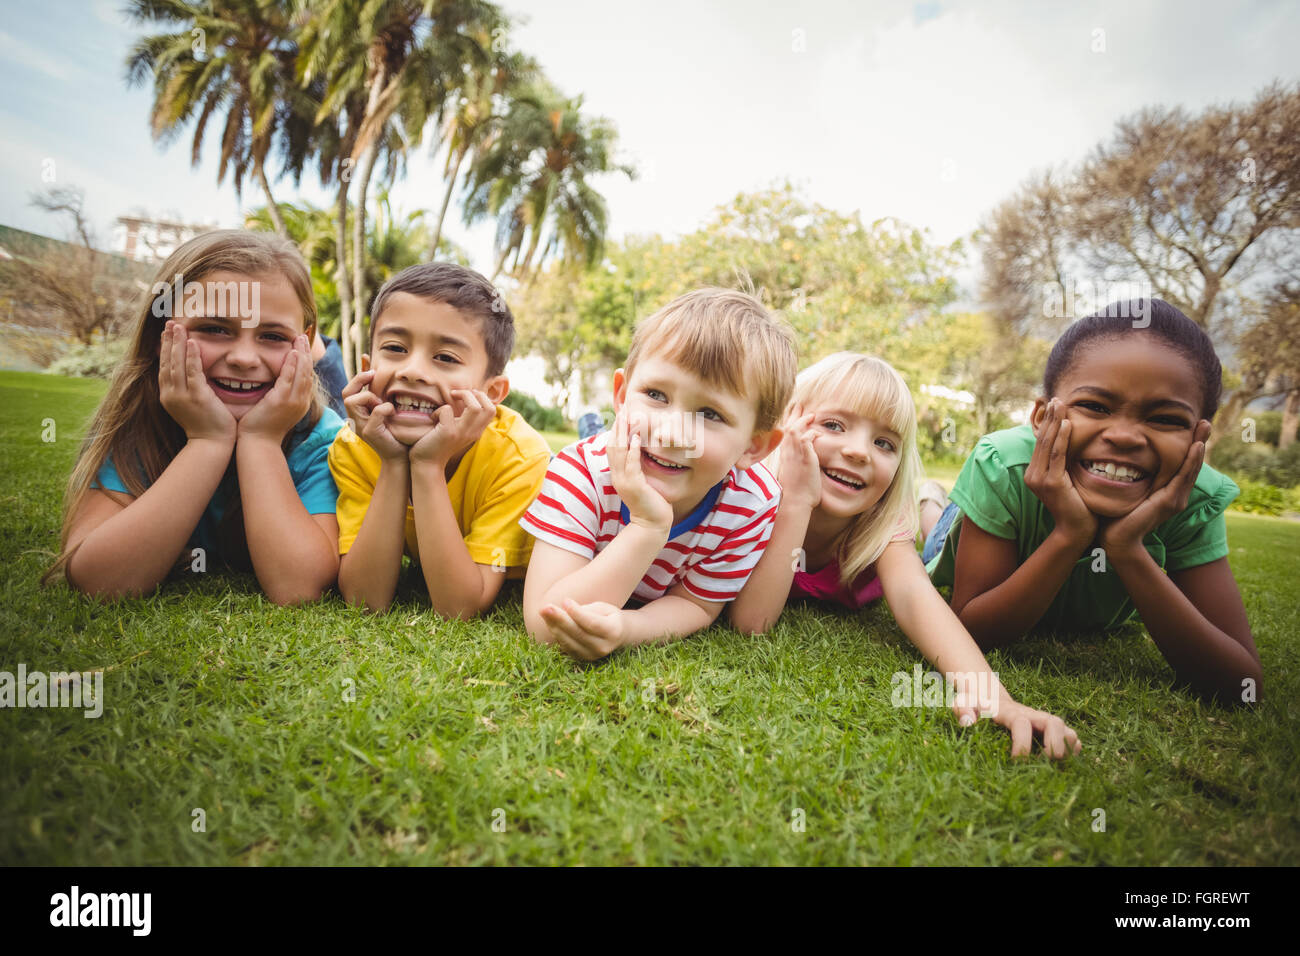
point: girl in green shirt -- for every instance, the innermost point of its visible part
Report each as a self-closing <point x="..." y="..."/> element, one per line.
<point x="1102" y="507"/>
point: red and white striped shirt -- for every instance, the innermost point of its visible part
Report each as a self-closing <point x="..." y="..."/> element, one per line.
<point x="712" y="551"/>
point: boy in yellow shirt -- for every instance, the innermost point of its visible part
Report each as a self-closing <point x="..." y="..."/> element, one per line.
<point x="437" y="468"/>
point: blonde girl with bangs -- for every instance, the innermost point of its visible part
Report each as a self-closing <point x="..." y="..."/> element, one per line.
<point x="211" y="444"/>
<point x="845" y="533"/>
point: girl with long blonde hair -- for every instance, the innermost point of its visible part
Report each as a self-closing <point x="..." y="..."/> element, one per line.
<point x="845" y="533"/>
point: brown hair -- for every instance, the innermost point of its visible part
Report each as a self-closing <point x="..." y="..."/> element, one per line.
<point x="131" y="426"/>
<point x="464" y="290"/>
<point x="727" y="337"/>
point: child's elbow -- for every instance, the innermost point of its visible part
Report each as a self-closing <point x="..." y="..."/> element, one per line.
<point x="751" y="624"/>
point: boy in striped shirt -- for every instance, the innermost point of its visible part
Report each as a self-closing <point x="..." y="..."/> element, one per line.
<point x="672" y="508"/>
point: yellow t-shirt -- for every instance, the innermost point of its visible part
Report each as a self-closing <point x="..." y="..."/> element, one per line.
<point x="495" y="482"/>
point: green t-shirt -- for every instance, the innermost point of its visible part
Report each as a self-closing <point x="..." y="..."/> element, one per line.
<point x="991" y="491"/>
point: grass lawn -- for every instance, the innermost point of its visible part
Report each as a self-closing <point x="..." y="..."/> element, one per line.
<point x="319" y="735"/>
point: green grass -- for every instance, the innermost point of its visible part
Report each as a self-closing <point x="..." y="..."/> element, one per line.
<point x="697" y="752"/>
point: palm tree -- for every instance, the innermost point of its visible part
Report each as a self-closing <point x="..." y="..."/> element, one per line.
<point x="235" y="56"/>
<point x="399" y="57"/>
<point x="532" y="176"/>
<point x="331" y="67"/>
<point x="476" y="107"/>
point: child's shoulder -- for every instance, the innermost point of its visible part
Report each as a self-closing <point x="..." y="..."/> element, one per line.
<point x="509" y="434"/>
<point x="755" y="482"/>
<point x="1210" y="496"/>
<point x="1009" y="447"/>
<point x="320" y="435"/>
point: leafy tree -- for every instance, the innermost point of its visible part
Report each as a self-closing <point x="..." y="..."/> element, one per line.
<point x="231" y="56"/>
<point x="532" y="176"/>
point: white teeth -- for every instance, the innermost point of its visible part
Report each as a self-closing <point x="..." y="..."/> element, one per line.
<point x="839" y="476"/>
<point x="412" y="404"/>
<point x="1113" y="471"/>
<point x="239" y="386"/>
<point x="660" y="461"/>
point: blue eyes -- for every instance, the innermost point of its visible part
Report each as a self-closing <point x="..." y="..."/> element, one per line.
<point x="709" y="414"/>
<point x="835" y="426"/>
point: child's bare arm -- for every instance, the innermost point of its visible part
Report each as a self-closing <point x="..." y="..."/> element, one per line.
<point x="1194" y="615"/>
<point x="1196" y="618"/>
<point x="458" y="586"/>
<point x="998" y="601"/>
<point x="295" y="554"/>
<point x="368" y="572"/>
<point x="937" y="633"/>
<point x="124" y="546"/>
<point x="592" y="631"/>
<point x="763" y="597"/>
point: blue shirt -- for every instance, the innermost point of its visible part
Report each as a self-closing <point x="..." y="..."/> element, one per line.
<point x="309" y="468"/>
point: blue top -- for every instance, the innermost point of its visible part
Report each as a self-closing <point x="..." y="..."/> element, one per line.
<point x="309" y="468"/>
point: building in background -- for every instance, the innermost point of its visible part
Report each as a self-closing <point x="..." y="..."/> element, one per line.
<point x="152" y="240"/>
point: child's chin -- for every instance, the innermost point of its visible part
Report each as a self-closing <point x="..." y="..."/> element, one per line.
<point x="1109" y="508"/>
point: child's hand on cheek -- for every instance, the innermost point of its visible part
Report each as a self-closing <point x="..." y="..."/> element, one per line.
<point x="645" y="506"/>
<point x="801" y="470"/>
<point x="288" y="400"/>
<point x="184" y="391"/>
<point x="1125" y="534"/>
<point x="456" y="426"/>
<point x="371" y="418"/>
<point x="1047" y="477"/>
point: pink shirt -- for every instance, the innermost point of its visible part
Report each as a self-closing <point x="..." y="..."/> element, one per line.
<point x="824" y="585"/>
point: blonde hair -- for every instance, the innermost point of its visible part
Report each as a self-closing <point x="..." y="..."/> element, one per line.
<point x="872" y="388"/>
<point x="726" y="337"/>
<point x="131" y="425"/>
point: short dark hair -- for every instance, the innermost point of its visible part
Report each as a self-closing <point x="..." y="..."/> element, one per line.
<point x="1164" y="322"/>
<point x="464" y="290"/>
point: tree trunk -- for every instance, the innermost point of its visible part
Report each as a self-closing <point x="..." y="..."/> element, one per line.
<point x="271" y="207"/>
<point x="1290" y="419"/>
<point x="346" y="342"/>
<point x="446" y="201"/>
<point x="501" y="264"/>
<point x="359" y="239"/>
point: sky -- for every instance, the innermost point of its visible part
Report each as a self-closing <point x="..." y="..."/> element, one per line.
<point x="929" y="112"/>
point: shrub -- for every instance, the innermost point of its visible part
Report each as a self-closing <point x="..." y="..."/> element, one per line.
<point x="535" y="413"/>
<point x="100" y="359"/>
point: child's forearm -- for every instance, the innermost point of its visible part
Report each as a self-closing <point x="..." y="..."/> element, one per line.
<point x="293" y="558"/>
<point x="1003" y="614"/>
<point x="764" y="595"/>
<point x="928" y="621"/>
<point x="1209" y="659"/>
<point x="665" y="619"/>
<point x="452" y="576"/>
<point x="132" y="552"/>
<point x="614" y="573"/>
<point x="368" y="572"/>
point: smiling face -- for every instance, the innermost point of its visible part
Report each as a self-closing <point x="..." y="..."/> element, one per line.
<point x="1133" y="412"/>
<point x="242" y="364"/>
<point x="693" y="432"/>
<point x="420" y="351"/>
<point x="859" y="458"/>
